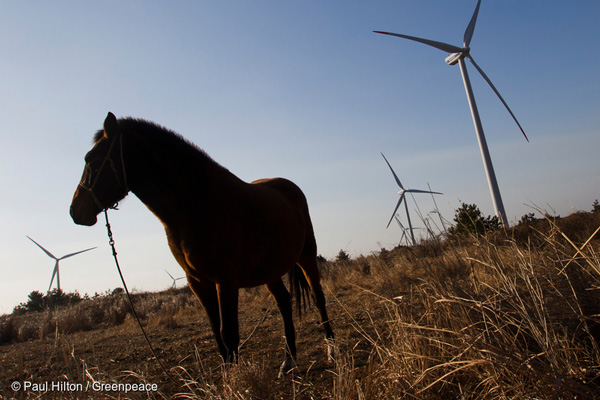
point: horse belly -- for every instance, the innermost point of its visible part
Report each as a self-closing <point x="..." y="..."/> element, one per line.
<point x="272" y="251"/>
<point x="193" y="259"/>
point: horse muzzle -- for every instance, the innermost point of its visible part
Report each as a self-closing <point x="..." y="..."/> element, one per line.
<point x="83" y="211"/>
<point x="89" y="220"/>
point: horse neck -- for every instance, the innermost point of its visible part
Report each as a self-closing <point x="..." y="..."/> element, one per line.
<point x="168" y="180"/>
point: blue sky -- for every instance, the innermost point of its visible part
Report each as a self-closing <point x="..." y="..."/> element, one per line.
<point x="302" y="90"/>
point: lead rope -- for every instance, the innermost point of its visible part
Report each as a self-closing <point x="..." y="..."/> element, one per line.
<point x="111" y="242"/>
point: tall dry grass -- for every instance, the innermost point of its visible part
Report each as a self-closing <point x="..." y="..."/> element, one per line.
<point x="100" y="312"/>
<point x="487" y="319"/>
<point x="511" y="315"/>
<point x="482" y="318"/>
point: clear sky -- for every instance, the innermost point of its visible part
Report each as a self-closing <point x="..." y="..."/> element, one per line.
<point x="302" y="90"/>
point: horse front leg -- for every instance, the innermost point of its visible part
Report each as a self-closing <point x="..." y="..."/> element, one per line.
<point x="284" y="303"/>
<point x="228" y="305"/>
<point x="206" y="292"/>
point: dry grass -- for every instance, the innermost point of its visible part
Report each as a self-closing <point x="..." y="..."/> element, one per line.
<point x="103" y="311"/>
<point x="508" y="316"/>
<point x="484" y="321"/>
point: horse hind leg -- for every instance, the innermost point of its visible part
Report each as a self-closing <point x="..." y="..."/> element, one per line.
<point x="284" y="303"/>
<point x="308" y="264"/>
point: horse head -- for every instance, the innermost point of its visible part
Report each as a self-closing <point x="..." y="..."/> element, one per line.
<point x="104" y="181"/>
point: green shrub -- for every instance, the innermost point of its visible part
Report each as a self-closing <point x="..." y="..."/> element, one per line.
<point x="470" y="220"/>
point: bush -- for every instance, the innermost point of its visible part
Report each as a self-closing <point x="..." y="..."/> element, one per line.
<point x="527" y="219"/>
<point x="37" y="301"/>
<point x="342" y="256"/>
<point x="470" y="220"/>
<point x="596" y="206"/>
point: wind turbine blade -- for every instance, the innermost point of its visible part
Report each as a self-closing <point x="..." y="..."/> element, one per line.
<point x="169" y="274"/>
<point x="395" y="176"/>
<point x="497" y="94"/>
<point x="40" y="246"/>
<point x="399" y="223"/>
<point x="438" y="45"/>
<point x="471" y="28"/>
<point x="403" y="229"/>
<point x="422" y="191"/>
<point x="53" y="274"/>
<point x="395" y="209"/>
<point x="74" y="254"/>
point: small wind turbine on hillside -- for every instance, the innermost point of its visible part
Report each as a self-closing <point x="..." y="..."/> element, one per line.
<point x="402" y="192"/>
<point x="404" y="236"/>
<point x="56" y="271"/>
<point x="174" y="285"/>
<point x="458" y="55"/>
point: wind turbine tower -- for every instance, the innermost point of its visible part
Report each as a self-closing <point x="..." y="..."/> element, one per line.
<point x="457" y="56"/>
<point x="56" y="271"/>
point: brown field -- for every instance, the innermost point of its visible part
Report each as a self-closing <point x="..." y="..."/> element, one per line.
<point x="512" y="315"/>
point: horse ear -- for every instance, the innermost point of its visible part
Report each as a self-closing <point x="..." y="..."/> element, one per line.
<point x="111" y="126"/>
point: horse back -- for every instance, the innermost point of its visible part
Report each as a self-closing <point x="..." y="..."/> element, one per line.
<point x="285" y="187"/>
<point x="293" y="194"/>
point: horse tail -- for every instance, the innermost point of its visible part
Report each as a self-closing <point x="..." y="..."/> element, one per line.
<point x="299" y="285"/>
<point x="299" y="288"/>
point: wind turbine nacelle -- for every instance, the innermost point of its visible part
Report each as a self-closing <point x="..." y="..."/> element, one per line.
<point x="453" y="58"/>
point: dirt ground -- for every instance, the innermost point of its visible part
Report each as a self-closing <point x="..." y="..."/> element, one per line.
<point x="188" y="352"/>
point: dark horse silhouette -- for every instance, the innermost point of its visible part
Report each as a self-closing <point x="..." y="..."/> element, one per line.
<point x="225" y="233"/>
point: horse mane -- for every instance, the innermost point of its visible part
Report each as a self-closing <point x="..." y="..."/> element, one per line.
<point x="163" y="137"/>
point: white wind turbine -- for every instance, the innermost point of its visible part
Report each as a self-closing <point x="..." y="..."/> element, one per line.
<point x="458" y="55"/>
<point x="402" y="192"/>
<point x="174" y="285"/>
<point x="404" y="236"/>
<point x="56" y="271"/>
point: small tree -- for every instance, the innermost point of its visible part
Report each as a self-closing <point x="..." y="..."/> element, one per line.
<point x="596" y="206"/>
<point x="470" y="220"/>
<point x="342" y="256"/>
<point x="527" y="219"/>
<point x="37" y="301"/>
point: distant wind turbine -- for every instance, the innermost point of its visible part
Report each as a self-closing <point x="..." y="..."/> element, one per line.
<point x="56" y="271"/>
<point x="402" y="194"/>
<point x="404" y="236"/>
<point x="458" y="55"/>
<point x="174" y="285"/>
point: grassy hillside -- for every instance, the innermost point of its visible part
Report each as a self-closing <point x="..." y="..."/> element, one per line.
<point x="510" y="315"/>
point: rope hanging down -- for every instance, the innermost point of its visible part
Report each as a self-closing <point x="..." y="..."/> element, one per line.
<point x="111" y="242"/>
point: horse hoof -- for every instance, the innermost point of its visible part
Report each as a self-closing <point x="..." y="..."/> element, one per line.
<point x="331" y="350"/>
<point x="286" y="367"/>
